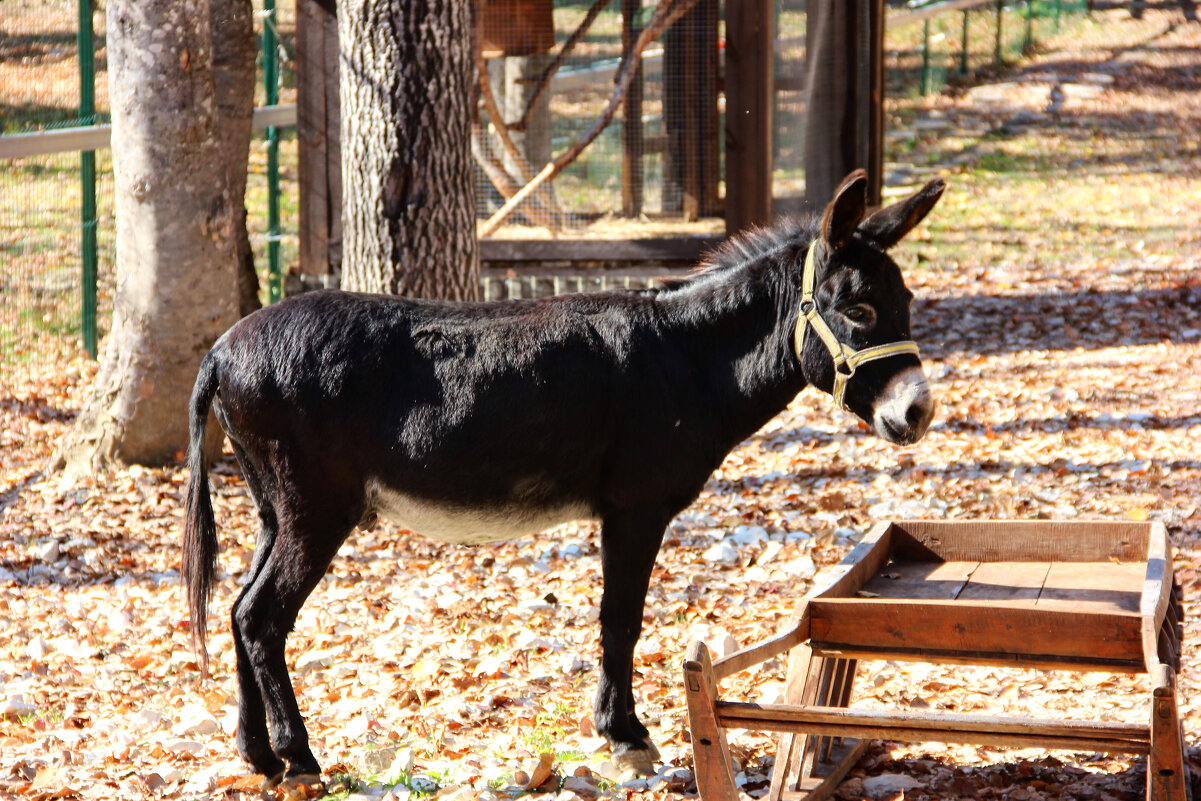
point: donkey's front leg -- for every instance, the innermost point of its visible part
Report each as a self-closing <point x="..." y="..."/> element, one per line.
<point x="629" y="543"/>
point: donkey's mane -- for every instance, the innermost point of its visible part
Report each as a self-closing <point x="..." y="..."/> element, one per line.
<point x="747" y="247"/>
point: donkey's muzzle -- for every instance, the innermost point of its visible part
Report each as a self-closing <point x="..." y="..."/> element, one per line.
<point x="903" y="411"/>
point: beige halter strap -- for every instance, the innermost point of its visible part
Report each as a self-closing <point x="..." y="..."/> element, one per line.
<point x="846" y="358"/>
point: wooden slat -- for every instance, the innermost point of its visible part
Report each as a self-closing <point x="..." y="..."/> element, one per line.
<point x="1006" y="581"/>
<point x="1093" y="586"/>
<point x="932" y="580"/>
<point x="683" y="249"/>
<point x="317" y="125"/>
<point x="945" y="656"/>
<point x="787" y="639"/>
<point x="1021" y="540"/>
<point x="858" y="566"/>
<point x="1105" y="736"/>
<point x="1006" y="630"/>
<point x="1158" y="586"/>
<point x="1166" y="774"/>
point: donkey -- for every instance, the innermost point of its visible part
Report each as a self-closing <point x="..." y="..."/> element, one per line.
<point x="476" y="422"/>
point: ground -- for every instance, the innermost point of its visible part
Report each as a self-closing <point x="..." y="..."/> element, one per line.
<point x="1059" y="313"/>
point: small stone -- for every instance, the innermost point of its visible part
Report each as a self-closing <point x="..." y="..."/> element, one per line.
<point x="888" y="784"/>
<point x="49" y="552"/>
<point x="722" y="552"/>
<point x="38" y="649"/>
<point x="16" y="707"/>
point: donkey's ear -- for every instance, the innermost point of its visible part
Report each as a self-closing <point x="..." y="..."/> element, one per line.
<point x="887" y="226"/>
<point x="846" y="210"/>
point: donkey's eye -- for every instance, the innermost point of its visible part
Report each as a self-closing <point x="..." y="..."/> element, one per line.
<point x="860" y="314"/>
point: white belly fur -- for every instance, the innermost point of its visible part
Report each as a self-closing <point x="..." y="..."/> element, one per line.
<point x="465" y="526"/>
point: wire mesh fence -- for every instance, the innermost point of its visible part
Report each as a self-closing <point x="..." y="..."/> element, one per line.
<point x="42" y="197"/>
<point x="655" y="170"/>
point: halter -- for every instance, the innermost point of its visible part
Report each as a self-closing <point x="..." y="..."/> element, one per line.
<point x="846" y="358"/>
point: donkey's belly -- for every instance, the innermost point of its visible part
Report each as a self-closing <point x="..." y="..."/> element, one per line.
<point x="469" y="526"/>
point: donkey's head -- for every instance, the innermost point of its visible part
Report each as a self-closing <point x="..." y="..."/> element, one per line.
<point x="852" y="333"/>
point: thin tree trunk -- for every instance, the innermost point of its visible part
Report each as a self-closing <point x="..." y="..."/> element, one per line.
<point x="233" y="72"/>
<point x="407" y="101"/>
<point x="176" y="267"/>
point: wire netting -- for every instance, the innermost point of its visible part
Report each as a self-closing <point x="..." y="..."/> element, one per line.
<point x="41" y="227"/>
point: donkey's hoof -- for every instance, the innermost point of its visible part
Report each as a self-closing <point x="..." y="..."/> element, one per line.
<point x="302" y="786"/>
<point x="636" y="761"/>
<point x="653" y="751"/>
<point x="271" y="781"/>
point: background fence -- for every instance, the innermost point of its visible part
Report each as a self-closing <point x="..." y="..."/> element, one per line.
<point x="43" y="198"/>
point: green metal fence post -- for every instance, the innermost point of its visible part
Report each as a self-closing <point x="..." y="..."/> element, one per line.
<point x="925" y="57"/>
<point x="271" y="83"/>
<point x="87" y="179"/>
<point x="963" y="45"/>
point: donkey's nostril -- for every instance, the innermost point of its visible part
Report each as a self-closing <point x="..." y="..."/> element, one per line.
<point x="915" y="414"/>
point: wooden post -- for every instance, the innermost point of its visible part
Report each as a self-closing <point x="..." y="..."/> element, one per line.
<point x="844" y="120"/>
<point x="710" y="752"/>
<point x="631" y="129"/>
<point x="750" y="95"/>
<point x="319" y="140"/>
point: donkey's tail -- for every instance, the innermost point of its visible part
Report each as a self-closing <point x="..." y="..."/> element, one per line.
<point x="200" y="528"/>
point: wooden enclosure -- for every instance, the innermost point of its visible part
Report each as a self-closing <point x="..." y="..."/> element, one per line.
<point x="695" y="64"/>
<point x="1080" y="596"/>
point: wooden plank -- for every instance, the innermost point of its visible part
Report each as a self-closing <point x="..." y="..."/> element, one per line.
<point x="1093" y="586"/>
<point x="1021" y="540"/>
<point x="1006" y="581"/>
<point x="1104" y="736"/>
<point x="858" y="566"/>
<point x="317" y="95"/>
<point x="989" y="628"/>
<point x="932" y="580"/>
<point x="945" y="656"/>
<point x="1158" y="586"/>
<point x="683" y="249"/>
<point x="787" y="639"/>
<point x="711" y="753"/>
<point x="750" y="97"/>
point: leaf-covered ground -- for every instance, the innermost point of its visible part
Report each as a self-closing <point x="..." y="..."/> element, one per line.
<point x="1059" y="312"/>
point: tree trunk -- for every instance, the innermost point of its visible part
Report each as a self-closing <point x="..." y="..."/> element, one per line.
<point x="233" y="73"/>
<point x="176" y="266"/>
<point x="409" y="197"/>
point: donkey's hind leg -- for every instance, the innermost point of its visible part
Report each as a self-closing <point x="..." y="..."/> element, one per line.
<point x="266" y="612"/>
<point x="253" y="740"/>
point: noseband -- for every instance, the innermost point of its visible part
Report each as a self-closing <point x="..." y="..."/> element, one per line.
<point x="846" y="358"/>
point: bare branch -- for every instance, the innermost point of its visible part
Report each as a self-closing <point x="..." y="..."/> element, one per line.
<point x="553" y="67"/>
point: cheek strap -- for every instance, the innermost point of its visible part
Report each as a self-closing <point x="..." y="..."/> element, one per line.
<point x="846" y="358"/>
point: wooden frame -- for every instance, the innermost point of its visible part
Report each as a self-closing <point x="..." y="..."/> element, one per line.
<point x="1071" y="596"/>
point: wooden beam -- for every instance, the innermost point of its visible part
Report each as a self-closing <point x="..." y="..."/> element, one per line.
<point x="750" y="97"/>
<point x="688" y="250"/>
<point x="1086" y="735"/>
<point x="319" y="141"/>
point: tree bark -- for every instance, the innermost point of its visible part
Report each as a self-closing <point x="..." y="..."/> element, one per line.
<point x="407" y="100"/>
<point x="175" y="257"/>
<point x="233" y="73"/>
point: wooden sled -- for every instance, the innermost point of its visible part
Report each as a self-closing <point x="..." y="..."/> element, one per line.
<point x="1084" y="596"/>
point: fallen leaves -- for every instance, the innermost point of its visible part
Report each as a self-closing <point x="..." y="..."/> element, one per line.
<point x="1067" y="369"/>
